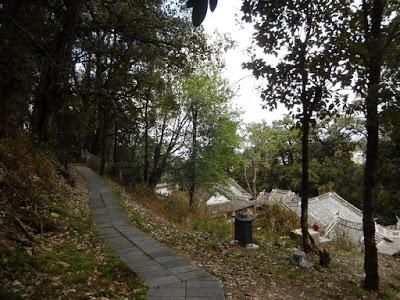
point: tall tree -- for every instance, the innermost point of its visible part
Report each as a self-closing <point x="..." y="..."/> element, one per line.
<point x="24" y="30"/>
<point x="134" y="58"/>
<point x="207" y="106"/>
<point x="301" y="80"/>
<point x="274" y="151"/>
<point x="370" y="32"/>
<point x="55" y="71"/>
<point x="359" y="35"/>
<point x="380" y="28"/>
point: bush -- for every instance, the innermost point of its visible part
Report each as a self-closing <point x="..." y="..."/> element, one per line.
<point x="278" y="219"/>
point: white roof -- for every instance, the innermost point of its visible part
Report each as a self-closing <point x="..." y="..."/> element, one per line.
<point x="339" y="219"/>
<point x="284" y="196"/>
<point x="233" y="191"/>
<point x="389" y="246"/>
<point x="161" y="185"/>
<point x="330" y="206"/>
<point x="217" y="198"/>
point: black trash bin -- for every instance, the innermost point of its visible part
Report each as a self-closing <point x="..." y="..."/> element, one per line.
<point x="243" y="229"/>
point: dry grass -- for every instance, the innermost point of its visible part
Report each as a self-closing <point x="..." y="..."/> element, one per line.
<point x="265" y="273"/>
<point x="48" y="246"/>
<point x="278" y="219"/>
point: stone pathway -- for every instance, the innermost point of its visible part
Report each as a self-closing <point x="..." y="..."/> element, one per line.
<point x="167" y="275"/>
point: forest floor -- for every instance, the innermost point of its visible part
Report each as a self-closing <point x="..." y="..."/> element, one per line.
<point x="49" y="248"/>
<point x="256" y="274"/>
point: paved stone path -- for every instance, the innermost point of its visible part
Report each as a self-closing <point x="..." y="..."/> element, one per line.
<point x="167" y="275"/>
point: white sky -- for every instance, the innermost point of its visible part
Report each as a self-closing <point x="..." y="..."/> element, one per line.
<point x="224" y="19"/>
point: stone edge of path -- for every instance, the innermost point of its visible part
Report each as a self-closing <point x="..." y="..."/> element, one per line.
<point x="167" y="275"/>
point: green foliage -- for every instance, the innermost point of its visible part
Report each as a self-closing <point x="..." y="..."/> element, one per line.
<point x="215" y="226"/>
<point x="213" y="129"/>
<point x="388" y="194"/>
<point x="276" y="150"/>
<point x="307" y="67"/>
<point x="220" y="153"/>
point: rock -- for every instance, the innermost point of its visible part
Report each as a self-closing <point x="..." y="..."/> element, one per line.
<point x="299" y="259"/>
<point x="252" y="246"/>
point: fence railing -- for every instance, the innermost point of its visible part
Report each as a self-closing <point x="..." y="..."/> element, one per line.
<point x="127" y="172"/>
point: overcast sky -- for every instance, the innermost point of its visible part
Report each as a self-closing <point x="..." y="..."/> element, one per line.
<point x="225" y="19"/>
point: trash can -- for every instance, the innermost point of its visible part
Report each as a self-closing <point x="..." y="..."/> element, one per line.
<point x="243" y="229"/>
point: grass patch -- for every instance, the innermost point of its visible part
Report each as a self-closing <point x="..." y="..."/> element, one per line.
<point x="217" y="226"/>
<point x="391" y="290"/>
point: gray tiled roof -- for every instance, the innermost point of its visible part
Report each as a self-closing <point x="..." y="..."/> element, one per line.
<point x="238" y="198"/>
<point x="233" y="191"/>
<point x="330" y="206"/>
<point x="262" y="199"/>
<point x="229" y="207"/>
<point x="340" y="219"/>
<point x="389" y="246"/>
<point x="286" y="197"/>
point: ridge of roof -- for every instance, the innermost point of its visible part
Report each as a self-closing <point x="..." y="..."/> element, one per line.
<point x="337" y="197"/>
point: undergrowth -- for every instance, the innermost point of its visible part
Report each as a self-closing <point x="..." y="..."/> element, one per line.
<point x="48" y="248"/>
<point x="206" y="240"/>
<point x="274" y="217"/>
<point x="175" y="209"/>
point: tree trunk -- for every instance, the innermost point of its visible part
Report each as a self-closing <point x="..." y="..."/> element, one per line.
<point x="305" y="129"/>
<point x="304" y="180"/>
<point x="13" y="107"/>
<point x="155" y="172"/>
<point x="100" y="142"/>
<point x="115" y="148"/>
<point x="374" y="66"/>
<point x="13" y="79"/>
<point x="245" y="177"/>
<point x="254" y="182"/>
<point x="193" y="158"/>
<point x="161" y="166"/>
<point x="103" y="153"/>
<point x="371" y="281"/>
<point x="146" y="142"/>
<point x="54" y="73"/>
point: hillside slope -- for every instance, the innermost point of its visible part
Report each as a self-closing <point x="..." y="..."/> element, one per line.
<point x="264" y="273"/>
<point x="48" y="246"/>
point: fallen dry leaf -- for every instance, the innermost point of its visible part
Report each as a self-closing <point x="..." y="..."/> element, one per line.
<point x="64" y="264"/>
<point x="28" y="251"/>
